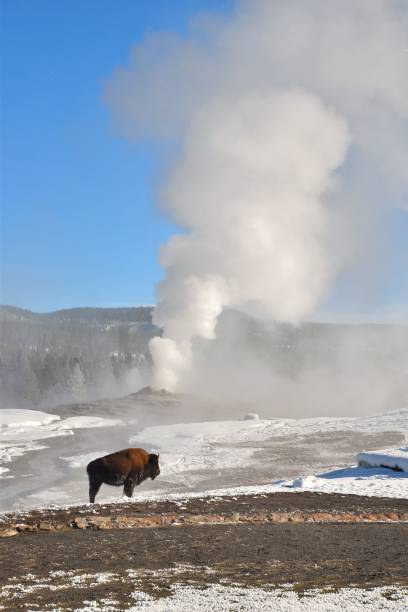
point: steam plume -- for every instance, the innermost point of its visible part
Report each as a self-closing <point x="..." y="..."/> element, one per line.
<point x="291" y="120"/>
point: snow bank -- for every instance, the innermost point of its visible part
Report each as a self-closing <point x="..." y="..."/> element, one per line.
<point x="396" y="459"/>
<point x="25" y="418"/>
<point x="20" y="429"/>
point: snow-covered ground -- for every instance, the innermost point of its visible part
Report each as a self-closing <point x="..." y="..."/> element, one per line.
<point x="43" y="456"/>
<point x="368" y="477"/>
<point x="20" y="430"/>
<point x="220" y="597"/>
<point x="379" y="482"/>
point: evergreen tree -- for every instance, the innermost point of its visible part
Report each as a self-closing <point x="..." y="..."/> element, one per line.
<point x="77" y="383"/>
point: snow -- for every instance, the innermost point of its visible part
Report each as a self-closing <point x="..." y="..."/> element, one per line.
<point x="194" y="435"/>
<point x="52" y="497"/>
<point x="31" y="583"/>
<point x="251" y="416"/>
<point x="188" y="447"/>
<point x="191" y="434"/>
<point x="390" y="457"/>
<point x="25" y="418"/>
<point x="220" y="598"/>
<point x="382" y="473"/>
<point x="81" y="461"/>
<point x="225" y="457"/>
<point x="377" y="482"/>
<point x="85" y="422"/>
<point x="34" y="422"/>
<point x="20" y="429"/>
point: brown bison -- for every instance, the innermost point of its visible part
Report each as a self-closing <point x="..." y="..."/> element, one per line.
<point x="127" y="467"/>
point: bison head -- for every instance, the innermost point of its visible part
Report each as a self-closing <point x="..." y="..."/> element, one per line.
<point x="154" y="469"/>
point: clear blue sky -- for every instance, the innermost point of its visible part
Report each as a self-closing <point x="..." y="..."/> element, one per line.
<point x="79" y="223"/>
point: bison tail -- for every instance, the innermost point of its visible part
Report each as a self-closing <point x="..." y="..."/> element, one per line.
<point x="93" y="468"/>
<point x="89" y="468"/>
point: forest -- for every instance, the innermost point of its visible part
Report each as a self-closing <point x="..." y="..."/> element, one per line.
<point x="73" y="355"/>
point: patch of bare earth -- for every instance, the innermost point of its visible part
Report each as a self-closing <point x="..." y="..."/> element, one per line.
<point x="59" y="559"/>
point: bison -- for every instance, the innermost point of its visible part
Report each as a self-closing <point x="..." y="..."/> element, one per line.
<point x="127" y="467"/>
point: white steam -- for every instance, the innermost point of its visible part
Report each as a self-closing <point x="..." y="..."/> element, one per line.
<point x="291" y="120"/>
<point x="250" y="187"/>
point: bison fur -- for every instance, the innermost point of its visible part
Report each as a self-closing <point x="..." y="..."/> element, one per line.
<point x="127" y="467"/>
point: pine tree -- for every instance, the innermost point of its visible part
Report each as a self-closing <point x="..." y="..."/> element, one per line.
<point x="77" y="383"/>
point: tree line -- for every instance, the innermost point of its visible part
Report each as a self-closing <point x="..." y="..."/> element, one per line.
<point x="44" y="362"/>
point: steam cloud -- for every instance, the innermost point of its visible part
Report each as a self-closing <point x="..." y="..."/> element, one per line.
<point x="291" y="125"/>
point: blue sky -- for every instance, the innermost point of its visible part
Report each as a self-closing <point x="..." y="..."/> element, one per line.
<point x="79" y="222"/>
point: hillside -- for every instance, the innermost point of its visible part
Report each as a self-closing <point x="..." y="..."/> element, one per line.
<point x="72" y="355"/>
<point x="83" y="315"/>
<point x="90" y="353"/>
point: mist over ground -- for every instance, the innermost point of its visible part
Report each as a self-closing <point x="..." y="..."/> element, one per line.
<point x="306" y="370"/>
<point x="74" y="355"/>
<point x="275" y="369"/>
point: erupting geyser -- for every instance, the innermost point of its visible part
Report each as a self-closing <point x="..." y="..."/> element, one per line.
<point x="291" y="123"/>
<point x="250" y="188"/>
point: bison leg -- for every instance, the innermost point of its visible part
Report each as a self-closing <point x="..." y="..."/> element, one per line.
<point x="131" y="481"/>
<point x="129" y="486"/>
<point x="94" y="486"/>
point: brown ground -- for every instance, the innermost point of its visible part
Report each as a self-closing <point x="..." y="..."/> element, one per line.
<point x="242" y="540"/>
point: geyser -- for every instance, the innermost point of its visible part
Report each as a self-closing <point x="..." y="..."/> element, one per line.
<point x="291" y="124"/>
<point x="250" y="188"/>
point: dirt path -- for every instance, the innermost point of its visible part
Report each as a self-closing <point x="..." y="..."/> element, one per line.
<point x="63" y="567"/>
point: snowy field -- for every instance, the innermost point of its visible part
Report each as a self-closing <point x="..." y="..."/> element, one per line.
<point x="43" y="456"/>
<point x="185" y="598"/>
<point x="221" y="598"/>
<point x="20" y="431"/>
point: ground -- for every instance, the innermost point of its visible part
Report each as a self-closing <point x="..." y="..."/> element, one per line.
<point x="248" y="513"/>
<point x="305" y="541"/>
<point x="43" y="456"/>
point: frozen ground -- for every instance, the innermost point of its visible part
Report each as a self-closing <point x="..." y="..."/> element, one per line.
<point x="21" y="430"/>
<point x="184" y="598"/>
<point x="263" y="566"/>
<point x="220" y="598"/>
<point x="43" y="456"/>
